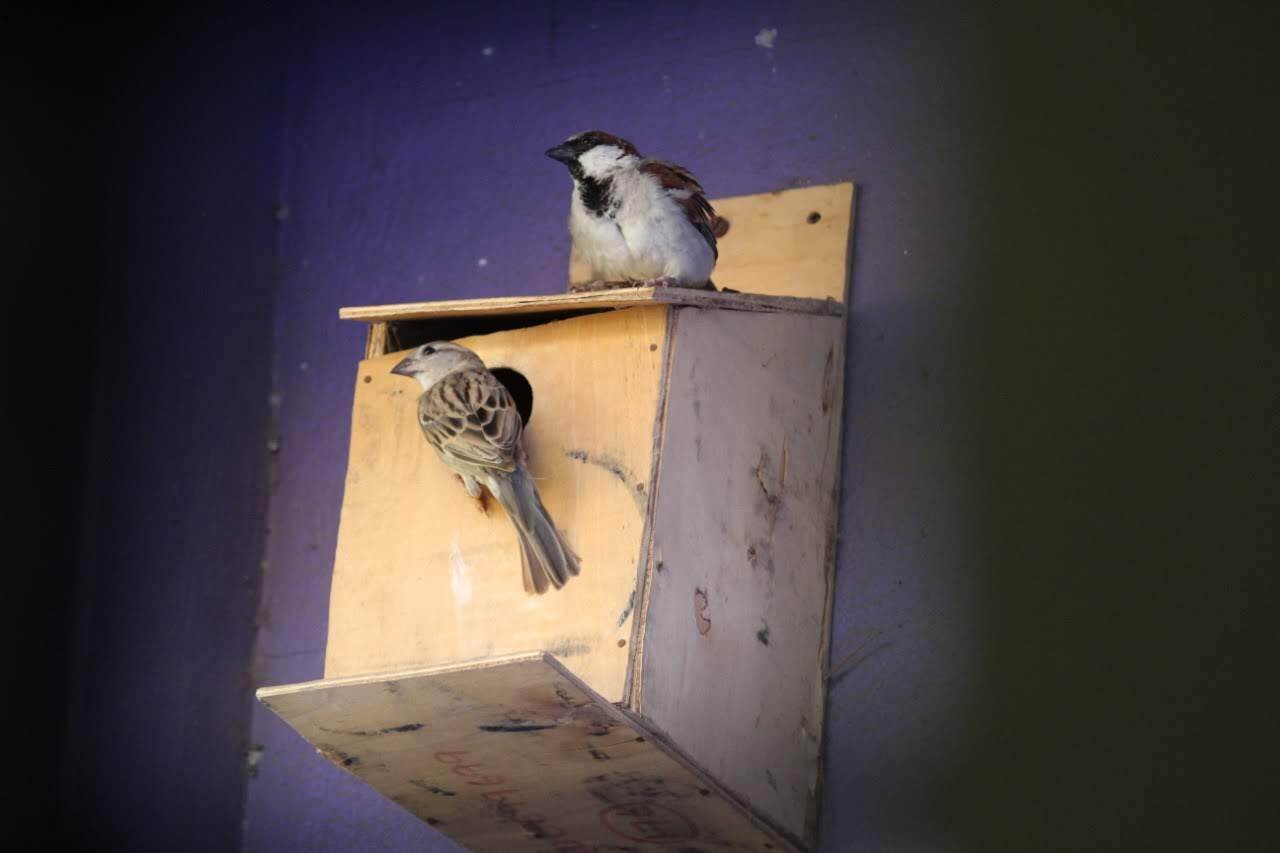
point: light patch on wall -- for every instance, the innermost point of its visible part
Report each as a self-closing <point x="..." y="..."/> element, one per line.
<point x="252" y="758"/>
<point x="487" y="51"/>
<point x="767" y="38"/>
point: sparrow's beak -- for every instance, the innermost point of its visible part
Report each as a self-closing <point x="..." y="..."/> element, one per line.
<point x="563" y="153"/>
<point x="406" y="366"/>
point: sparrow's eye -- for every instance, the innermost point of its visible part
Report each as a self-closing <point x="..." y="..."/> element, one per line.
<point x="428" y="350"/>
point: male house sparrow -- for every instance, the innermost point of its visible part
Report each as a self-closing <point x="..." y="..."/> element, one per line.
<point x="637" y="221"/>
<point x="470" y="419"/>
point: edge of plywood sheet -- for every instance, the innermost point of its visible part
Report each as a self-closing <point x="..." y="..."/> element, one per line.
<point x="638" y="600"/>
<point x="570" y="302"/>
<point x="277" y="690"/>
<point x="833" y="525"/>
<point x="517" y="754"/>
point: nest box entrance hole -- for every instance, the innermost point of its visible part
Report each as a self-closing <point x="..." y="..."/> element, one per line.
<point x="407" y="334"/>
<point x="520" y="390"/>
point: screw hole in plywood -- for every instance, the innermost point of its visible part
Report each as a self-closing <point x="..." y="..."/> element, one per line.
<point x="519" y="389"/>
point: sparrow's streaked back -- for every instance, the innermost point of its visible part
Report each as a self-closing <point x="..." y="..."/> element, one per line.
<point x="470" y="419"/>
<point x="634" y="219"/>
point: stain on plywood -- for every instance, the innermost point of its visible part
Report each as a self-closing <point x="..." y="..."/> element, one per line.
<point x="518" y="755"/>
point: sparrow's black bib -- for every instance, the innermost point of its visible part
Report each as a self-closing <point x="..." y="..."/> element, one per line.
<point x="596" y="194"/>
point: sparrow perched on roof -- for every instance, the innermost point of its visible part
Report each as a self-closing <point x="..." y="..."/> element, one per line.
<point x="468" y="416"/>
<point x="637" y="221"/>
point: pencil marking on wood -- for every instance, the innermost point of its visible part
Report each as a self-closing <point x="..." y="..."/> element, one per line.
<point x="567" y="647"/>
<point x="407" y="727"/>
<point x="648" y="823"/>
<point x="762" y="636"/>
<point x="337" y="756"/>
<point x="626" y="611"/>
<point x="434" y="789"/>
<point x="828" y="381"/>
<point x="517" y="727"/>
<point x="614" y="467"/>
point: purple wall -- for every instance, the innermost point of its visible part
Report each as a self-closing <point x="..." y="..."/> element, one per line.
<point x="157" y="720"/>
<point x="413" y="151"/>
<point x="1056" y="511"/>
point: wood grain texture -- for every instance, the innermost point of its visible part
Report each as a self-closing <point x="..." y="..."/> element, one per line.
<point x="375" y="342"/>
<point x="786" y="243"/>
<point x="422" y="576"/>
<point x="734" y="644"/>
<point x="515" y="754"/>
<point x="561" y="302"/>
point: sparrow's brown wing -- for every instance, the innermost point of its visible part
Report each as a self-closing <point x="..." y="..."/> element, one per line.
<point x="684" y="188"/>
<point x="470" y="416"/>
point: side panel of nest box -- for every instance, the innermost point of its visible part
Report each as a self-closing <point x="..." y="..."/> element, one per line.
<point x="735" y="624"/>
<point x="425" y="576"/>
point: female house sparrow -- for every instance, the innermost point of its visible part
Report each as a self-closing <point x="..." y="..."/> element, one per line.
<point x="637" y="221"/>
<point x="470" y="419"/>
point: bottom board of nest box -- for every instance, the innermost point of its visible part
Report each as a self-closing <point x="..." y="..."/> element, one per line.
<point x="516" y="754"/>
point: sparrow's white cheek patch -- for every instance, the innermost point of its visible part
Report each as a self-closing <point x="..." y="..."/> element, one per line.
<point x="601" y="160"/>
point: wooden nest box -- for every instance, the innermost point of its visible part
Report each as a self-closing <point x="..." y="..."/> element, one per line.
<point x="687" y="443"/>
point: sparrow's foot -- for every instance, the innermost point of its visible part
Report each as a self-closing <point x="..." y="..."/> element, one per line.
<point x="593" y="286"/>
<point x="665" y="281"/>
<point x="475" y="492"/>
<point x="597" y="285"/>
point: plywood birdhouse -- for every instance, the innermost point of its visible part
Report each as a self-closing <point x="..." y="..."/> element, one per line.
<point x="687" y="444"/>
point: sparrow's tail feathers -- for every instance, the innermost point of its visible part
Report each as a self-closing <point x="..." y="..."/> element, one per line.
<point x="546" y="558"/>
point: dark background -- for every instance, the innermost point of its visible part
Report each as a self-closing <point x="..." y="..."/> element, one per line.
<point x="1053" y="625"/>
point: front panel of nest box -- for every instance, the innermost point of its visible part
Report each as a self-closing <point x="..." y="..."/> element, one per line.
<point x="425" y="576"/>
